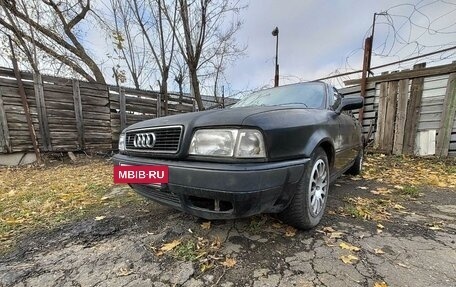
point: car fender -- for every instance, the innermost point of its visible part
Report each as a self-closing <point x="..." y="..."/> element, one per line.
<point x="322" y="138"/>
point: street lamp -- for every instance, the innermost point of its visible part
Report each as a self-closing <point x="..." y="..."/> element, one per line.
<point x="275" y="33"/>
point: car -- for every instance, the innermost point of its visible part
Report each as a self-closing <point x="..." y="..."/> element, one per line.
<point x="275" y="151"/>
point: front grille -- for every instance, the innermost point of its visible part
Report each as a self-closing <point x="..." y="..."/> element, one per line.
<point x="167" y="140"/>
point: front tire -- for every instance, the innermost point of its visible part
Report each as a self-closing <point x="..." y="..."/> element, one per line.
<point x="308" y="205"/>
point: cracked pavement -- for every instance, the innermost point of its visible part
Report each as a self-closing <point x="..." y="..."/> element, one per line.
<point x="416" y="247"/>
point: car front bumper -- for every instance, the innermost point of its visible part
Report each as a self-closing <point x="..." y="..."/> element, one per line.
<point x="222" y="190"/>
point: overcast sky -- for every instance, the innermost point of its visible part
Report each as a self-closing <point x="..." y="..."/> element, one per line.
<point x="317" y="36"/>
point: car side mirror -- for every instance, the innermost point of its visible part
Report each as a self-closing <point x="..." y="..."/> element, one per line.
<point x="350" y="103"/>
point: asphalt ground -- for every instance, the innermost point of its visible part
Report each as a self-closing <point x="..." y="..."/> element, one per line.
<point x="371" y="235"/>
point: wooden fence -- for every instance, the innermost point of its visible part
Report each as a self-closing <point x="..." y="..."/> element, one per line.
<point x="71" y="115"/>
<point x="411" y="111"/>
<point x="408" y="112"/>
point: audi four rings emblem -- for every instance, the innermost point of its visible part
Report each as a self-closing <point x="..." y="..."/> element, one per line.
<point x="144" y="140"/>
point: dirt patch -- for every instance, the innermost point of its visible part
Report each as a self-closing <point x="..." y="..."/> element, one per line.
<point x="46" y="196"/>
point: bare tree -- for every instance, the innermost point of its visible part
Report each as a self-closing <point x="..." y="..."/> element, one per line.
<point x="26" y="48"/>
<point x="129" y="42"/>
<point x="57" y="36"/>
<point x="149" y="16"/>
<point x="202" y="34"/>
<point x="179" y="70"/>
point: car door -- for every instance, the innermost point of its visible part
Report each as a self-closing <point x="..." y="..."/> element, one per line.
<point x="344" y="143"/>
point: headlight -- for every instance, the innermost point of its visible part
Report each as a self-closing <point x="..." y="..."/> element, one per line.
<point x="243" y="143"/>
<point x="214" y="142"/>
<point x="250" y="144"/>
<point x="122" y="142"/>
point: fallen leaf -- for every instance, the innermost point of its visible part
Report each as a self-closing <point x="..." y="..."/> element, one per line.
<point x="380" y="226"/>
<point x="328" y="229"/>
<point x="349" y="259"/>
<point x="398" y="206"/>
<point x="435" y="228"/>
<point x="124" y="272"/>
<point x="380" y="284"/>
<point x="216" y="243"/>
<point x="362" y="187"/>
<point x="290" y="231"/>
<point x="168" y="247"/>
<point x="379" y="231"/>
<point x="402" y="265"/>
<point x="206" y="266"/>
<point x="277" y="225"/>
<point x="435" y="225"/>
<point x="229" y="262"/>
<point x="400" y="187"/>
<point x="330" y="243"/>
<point x="336" y="184"/>
<point x="335" y="235"/>
<point x="441" y="184"/>
<point x="348" y="246"/>
<point x="378" y="251"/>
<point x="381" y="191"/>
<point x="206" y="225"/>
<point x="98" y="218"/>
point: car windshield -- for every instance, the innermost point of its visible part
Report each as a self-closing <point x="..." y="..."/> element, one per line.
<point x="310" y="95"/>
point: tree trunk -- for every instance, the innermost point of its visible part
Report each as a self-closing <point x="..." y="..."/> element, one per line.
<point x="164" y="93"/>
<point x="195" y="88"/>
<point x="135" y="81"/>
<point x="96" y="72"/>
<point x="164" y="89"/>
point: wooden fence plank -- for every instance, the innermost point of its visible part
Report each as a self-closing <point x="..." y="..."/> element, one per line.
<point x="78" y="113"/>
<point x="447" y="119"/>
<point x="413" y="112"/>
<point x="390" y="117"/>
<point x="401" y="115"/>
<point x="42" y="114"/>
<point x="379" y="135"/>
<point x="5" y="143"/>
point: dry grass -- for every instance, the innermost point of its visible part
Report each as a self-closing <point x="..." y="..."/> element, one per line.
<point x="410" y="171"/>
<point x="33" y="197"/>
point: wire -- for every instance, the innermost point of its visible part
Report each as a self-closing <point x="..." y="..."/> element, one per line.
<point x="408" y="30"/>
<point x="335" y="75"/>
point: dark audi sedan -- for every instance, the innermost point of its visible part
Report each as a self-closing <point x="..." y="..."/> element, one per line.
<point x="275" y="151"/>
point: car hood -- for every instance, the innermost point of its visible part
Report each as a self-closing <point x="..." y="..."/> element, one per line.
<point x="216" y="117"/>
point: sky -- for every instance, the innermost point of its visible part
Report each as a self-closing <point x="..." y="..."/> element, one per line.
<point x="315" y="37"/>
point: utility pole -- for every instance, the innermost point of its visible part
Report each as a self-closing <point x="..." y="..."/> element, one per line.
<point x="367" y="62"/>
<point x="275" y="33"/>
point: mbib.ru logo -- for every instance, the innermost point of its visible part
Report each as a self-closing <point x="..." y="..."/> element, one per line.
<point x="140" y="174"/>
